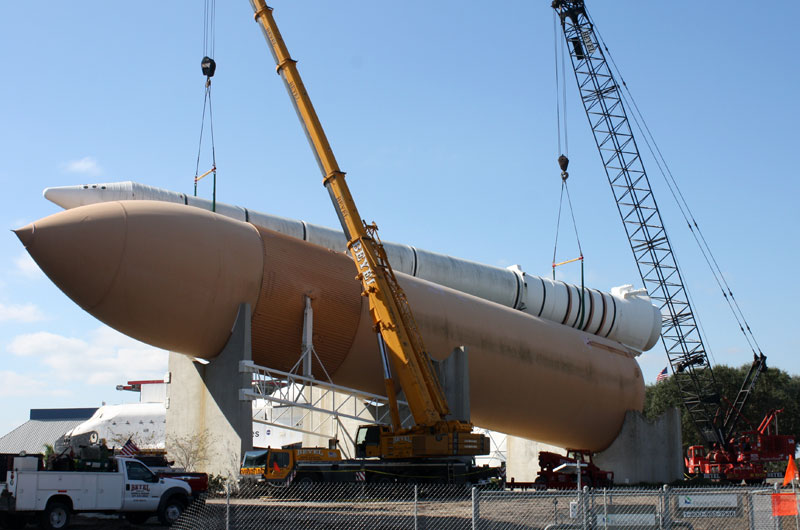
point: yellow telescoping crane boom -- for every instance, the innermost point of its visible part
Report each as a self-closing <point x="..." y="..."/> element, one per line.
<point x="399" y="338"/>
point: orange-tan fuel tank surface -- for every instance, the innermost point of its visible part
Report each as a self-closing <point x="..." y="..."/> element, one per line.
<point x="173" y="277"/>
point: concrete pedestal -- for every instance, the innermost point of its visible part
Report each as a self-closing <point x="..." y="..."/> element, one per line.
<point x="522" y="458"/>
<point x="205" y="417"/>
<point x="645" y="451"/>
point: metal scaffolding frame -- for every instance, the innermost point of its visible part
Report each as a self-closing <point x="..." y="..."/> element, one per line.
<point x="291" y="399"/>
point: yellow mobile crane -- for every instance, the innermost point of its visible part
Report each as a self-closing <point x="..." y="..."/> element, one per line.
<point x="401" y="346"/>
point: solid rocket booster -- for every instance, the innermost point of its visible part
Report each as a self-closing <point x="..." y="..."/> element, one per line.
<point x="625" y="315"/>
<point x="173" y="277"/>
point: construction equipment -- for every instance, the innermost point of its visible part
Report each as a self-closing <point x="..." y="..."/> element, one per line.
<point x="602" y="99"/>
<point x="551" y="478"/>
<point x="304" y="465"/>
<point x="745" y="457"/>
<point x="405" y="360"/>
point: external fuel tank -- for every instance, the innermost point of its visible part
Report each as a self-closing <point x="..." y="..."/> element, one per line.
<point x="173" y="277"/>
<point x="624" y="315"/>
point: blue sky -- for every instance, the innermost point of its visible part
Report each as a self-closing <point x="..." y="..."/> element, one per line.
<point x="443" y="115"/>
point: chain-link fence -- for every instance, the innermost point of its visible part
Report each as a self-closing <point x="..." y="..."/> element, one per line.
<point x="418" y="507"/>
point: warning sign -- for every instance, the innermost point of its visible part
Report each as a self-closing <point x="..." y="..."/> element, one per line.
<point x="709" y="505"/>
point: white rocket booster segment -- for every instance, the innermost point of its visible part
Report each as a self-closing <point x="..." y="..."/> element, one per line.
<point x="625" y="315"/>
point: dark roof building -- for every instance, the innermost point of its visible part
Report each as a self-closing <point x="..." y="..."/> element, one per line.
<point x="44" y="427"/>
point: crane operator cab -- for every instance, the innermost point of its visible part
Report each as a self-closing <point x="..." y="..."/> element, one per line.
<point x="368" y="441"/>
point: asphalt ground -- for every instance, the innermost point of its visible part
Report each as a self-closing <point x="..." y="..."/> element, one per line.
<point x="103" y="522"/>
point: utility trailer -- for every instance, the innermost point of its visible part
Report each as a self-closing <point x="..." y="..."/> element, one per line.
<point x="128" y="487"/>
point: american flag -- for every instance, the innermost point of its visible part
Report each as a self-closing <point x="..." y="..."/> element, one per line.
<point x="129" y="449"/>
<point x="662" y="375"/>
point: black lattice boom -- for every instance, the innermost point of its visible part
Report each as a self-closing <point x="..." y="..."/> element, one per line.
<point x="637" y="206"/>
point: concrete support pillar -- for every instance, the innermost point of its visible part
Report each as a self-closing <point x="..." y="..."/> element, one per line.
<point x="307" y="344"/>
<point x="453" y="375"/>
<point x="645" y="451"/>
<point x="208" y="426"/>
<point x="522" y="458"/>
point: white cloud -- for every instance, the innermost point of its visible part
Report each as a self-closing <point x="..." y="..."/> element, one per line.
<point x="20" y="313"/>
<point x="85" y="166"/>
<point x="106" y="357"/>
<point x="13" y="384"/>
<point x="45" y="343"/>
<point x="27" y="267"/>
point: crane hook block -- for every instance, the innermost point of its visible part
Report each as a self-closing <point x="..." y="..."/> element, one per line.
<point x="209" y="66"/>
<point x="563" y="162"/>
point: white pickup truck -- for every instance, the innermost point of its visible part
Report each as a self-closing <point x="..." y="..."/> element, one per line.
<point x="129" y="488"/>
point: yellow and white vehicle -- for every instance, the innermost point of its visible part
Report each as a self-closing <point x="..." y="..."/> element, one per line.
<point x="283" y="467"/>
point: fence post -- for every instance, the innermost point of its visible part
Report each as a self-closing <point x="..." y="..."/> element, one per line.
<point x="555" y="510"/>
<point x="605" y="508"/>
<point x="416" y="497"/>
<point x="776" y="522"/>
<point x="476" y="509"/>
<point x="666" y="515"/>
<point x="584" y="497"/>
<point x="227" y="506"/>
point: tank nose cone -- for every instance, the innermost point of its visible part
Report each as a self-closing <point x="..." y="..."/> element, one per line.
<point x="79" y="250"/>
<point x="166" y="274"/>
<point x="25" y="234"/>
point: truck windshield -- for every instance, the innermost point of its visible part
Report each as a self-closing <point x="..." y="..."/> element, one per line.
<point x="369" y="434"/>
<point x="361" y="436"/>
<point x="255" y="459"/>
<point x="137" y="471"/>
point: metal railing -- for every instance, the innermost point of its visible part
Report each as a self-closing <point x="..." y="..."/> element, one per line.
<point x="434" y="506"/>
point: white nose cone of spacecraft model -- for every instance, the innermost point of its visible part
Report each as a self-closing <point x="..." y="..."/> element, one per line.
<point x="625" y="315"/>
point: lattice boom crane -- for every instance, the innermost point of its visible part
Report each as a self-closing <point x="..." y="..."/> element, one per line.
<point x="603" y="102"/>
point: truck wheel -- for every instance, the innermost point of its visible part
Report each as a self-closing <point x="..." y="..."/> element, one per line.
<point x="55" y="516"/>
<point x="171" y="510"/>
